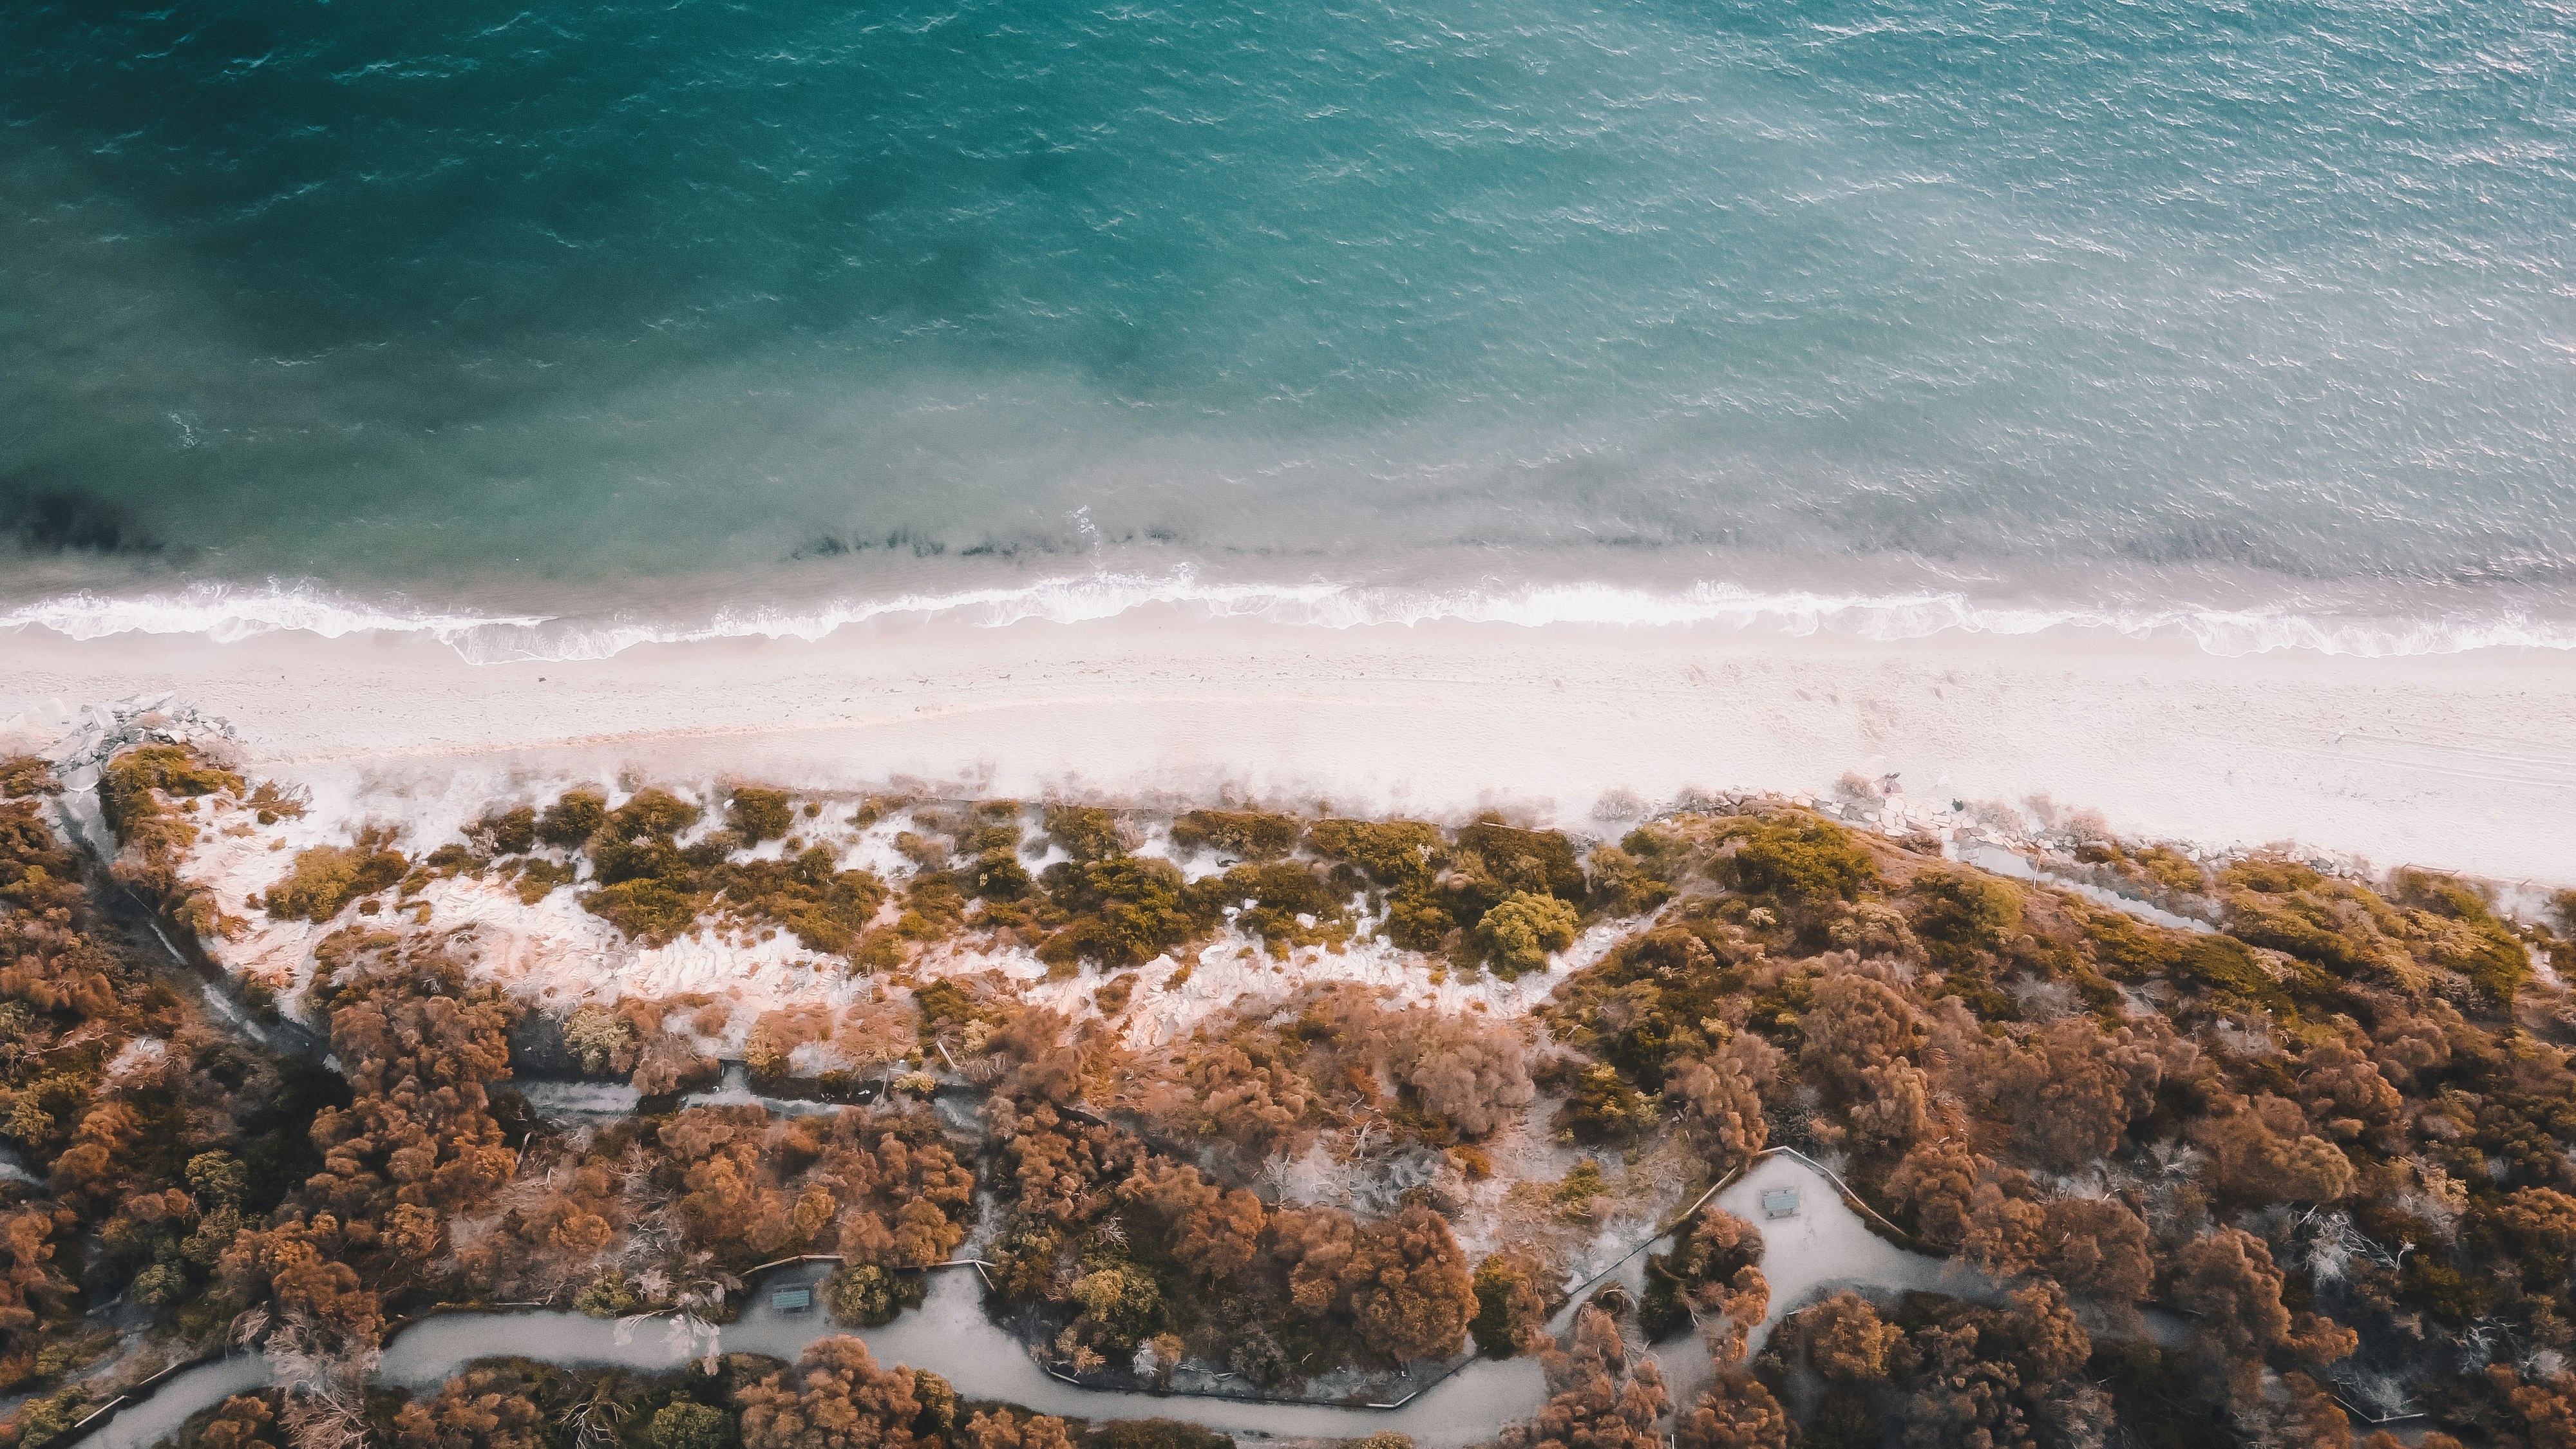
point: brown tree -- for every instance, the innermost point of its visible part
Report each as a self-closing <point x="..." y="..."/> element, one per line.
<point x="298" y="1267"/>
<point x="1000" y="1430"/>
<point x="1733" y="1412"/>
<point x="2344" y="1091"/>
<point x="2540" y="1222"/>
<point x="1596" y="1398"/>
<point x="1857" y="1022"/>
<point x="1408" y="1286"/>
<point x="2228" y="1280"/>
<point x="1259" y="1106"/>
<point x="1935" y="1182"/>
<point x="1473" y="1074"/>
<point x="837" y="1398"/>
<point x="2547" y="1409"/>
<point x="1895" y="1109"/>
<point x="1049" y="1060"/>
<point x="2048" y="1343"/>
<point x="2262" y="1150"/>
<point x="1208" y="1229"/>
<point x="2069" y="1091"/>
<point x="418" y="1047"/>
<point x="28" y="1278"/>
<point x="2098" y="1248"/>
<point x="2005" y="1232"/>
<point x="482" y="1408"/>
<point x="1720" y="1098"/>
<point x="1060" y="1166"/>
<point x="244" y="1421"/>
<point x="1845" y="1339"/>
<point x="1313" y="1247"/>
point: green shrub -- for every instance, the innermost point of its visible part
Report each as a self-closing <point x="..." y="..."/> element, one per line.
<point x="864" y="1295"/>
<point x="2124" y="949"/>
<point x="608" y="1296"/>
<point x="1154" y="1434"/>
<point x="44" y="1420"/>
<point x="825" y="907"/>
<point x="1416" y="919"/>
<point x="538" y="879"/>
<point x="597" y="1038"/>
<point x="2445" y="1290"/>
<point x="160" y="1285"/>
<point x="1510" y="1304"/>
<point x="215" y="1179"/>
<point x="2223" y="963"/>
<point x="26" y="775"/>
<point x="1123" y="1302"/>
<point x="1958" y="912"/>
<point x="1966" y="907"/>
<point x="2340" y="926"/>
<point x="2171" y="869"/>
<point x="512" y="832"/>
<point x="157" y="834"/>
<point x="125" y="787"/>
<point x="995" y="874"/>
<point x="1623" y="884"/>
<point x="2491" y="955"/>
<point x="758" y="815"/>
<point x="1800" y="859"/>
<point x="1600" y="1107"/>
<point x="684" y="1424"/>
<point x="1279" y="893"/>
<point x="1648" y="1001"/>
<point x="1087" y="832"/>
<point x="1125" y="911"/>
<point x="326" y="878"/>
<point x="574" y="818"/>
<point x="652" y="911"/>
<point x="652" y="813"/>
<point x="1491" y="860"/>
<point x="1388" y="853"/>
<point x="1522" y="928"/>
<point x="1247" y="834"/>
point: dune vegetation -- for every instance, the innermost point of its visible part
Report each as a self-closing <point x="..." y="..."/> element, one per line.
<point x="2325" y="1143"/>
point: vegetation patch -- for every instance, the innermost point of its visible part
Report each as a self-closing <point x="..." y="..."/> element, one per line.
<point x="326" y="878"/>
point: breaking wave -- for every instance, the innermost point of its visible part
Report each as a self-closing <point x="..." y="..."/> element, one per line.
<point x="227" y="613"/>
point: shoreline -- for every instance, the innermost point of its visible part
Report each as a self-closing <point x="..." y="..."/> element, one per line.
<point x="2464" y="762"/>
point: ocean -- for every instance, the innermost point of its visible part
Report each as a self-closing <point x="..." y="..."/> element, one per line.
<point x="549" y="330"/>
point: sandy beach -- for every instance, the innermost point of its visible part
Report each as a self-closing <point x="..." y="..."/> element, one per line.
<point x="2464" y="762"/>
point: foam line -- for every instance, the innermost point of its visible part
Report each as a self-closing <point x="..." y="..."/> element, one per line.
<point x="225" y="613"/>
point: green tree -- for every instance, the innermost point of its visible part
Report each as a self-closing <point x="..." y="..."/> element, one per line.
<point x="683" y="1424"/>
<point x="1510" y="1310"/>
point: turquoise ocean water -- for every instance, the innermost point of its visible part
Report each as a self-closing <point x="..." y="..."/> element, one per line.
<point x="552" y="328"/>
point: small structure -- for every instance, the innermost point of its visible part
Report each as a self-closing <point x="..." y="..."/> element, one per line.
<point x="1780" y="1202"/>
<point x="792" y="1300"/>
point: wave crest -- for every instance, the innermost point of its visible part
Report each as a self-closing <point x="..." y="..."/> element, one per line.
<point x="226" y="613"/>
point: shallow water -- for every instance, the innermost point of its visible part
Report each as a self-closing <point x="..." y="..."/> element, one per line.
<point x="628" y="321"/>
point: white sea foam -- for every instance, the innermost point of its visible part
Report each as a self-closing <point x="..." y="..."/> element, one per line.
<point x="226" y="613"/>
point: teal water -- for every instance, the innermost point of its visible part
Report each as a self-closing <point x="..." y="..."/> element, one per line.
<point x="2256" y="322"/>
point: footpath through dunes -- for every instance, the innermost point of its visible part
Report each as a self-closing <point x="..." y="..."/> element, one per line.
<point x="1821" y="1246"/>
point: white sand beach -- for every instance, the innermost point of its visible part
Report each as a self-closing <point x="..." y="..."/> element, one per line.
<point x="2464" y="762"/>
